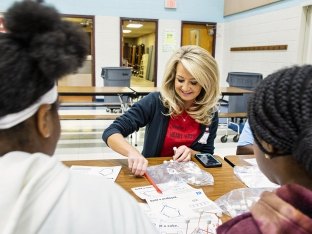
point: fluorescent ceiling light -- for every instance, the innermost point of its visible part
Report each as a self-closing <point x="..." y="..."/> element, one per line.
<point x="126" y="31"/>
<point x="134" y="25"/>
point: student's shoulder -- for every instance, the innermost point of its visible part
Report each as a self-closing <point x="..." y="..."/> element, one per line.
<point x="80" y="181"/>
<point x="97" y="190"/>
<point x="104" y="198"/>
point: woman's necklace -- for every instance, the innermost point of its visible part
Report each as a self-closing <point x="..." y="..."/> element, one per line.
<point x="185" y="116"/>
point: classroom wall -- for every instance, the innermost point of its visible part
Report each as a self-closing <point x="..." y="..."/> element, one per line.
<point x="107" y="23"/>
<point x="277" y="23"/>
<point x="274" y="28"/>
<point x="165" y="52"/>
<point x="107" y="45"/>
<point x="278" y="27"/>
<point x="219" y="55"/>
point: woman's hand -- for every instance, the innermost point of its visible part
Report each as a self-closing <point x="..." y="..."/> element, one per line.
<point x="137" y="163"/>
<point x="182" y="154"/>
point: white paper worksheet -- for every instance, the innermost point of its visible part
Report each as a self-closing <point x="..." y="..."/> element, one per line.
<point x="108" y="173"/>
<point x="149" y="191"/>
<point x="252" y="176"/>
<point x="190" y="212"/>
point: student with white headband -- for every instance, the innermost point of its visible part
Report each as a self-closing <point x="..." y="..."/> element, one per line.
<point x="38" y="194"/>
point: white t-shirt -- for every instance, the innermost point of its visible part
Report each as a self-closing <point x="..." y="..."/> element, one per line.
<point x="38" y="194"/>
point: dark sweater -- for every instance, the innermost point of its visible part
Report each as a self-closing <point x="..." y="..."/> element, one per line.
<point x="149" y="112"/>
<point x="287" y="210"/>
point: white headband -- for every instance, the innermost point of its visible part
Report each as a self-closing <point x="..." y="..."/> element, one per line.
<point x="11" y="120"/>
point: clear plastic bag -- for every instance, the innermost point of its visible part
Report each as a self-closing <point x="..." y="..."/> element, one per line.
<point x="252" y="177"/>
<point x="239" y="201"/>
<point x="172" y="171"/>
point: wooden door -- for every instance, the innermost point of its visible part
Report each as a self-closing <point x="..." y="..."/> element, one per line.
<point x="201" y="34"/>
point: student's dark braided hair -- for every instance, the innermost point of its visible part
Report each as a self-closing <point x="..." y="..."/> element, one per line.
<point x="280" y="114"/>
<point x="37" y="50"/>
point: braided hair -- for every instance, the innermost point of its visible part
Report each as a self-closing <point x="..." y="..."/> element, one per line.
<point x="37" y="50"/>
<point x="280" y="114"/>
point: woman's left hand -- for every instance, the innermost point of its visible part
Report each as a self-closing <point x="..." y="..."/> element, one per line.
<point x="182" y="154"/>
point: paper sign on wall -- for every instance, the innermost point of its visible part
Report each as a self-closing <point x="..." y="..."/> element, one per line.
<point x="169" y="41"/>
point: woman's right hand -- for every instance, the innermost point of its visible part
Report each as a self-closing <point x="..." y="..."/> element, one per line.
<point x="137" y="163"/>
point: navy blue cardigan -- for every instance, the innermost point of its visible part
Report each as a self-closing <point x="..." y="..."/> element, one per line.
<point x="149" y="112"/>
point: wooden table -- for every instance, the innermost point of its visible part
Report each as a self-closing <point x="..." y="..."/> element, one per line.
<point x="224" y="177"/>
<point x="97" y="91"/>
<point x="224" y="90"/>
<point x="143" y="91"/>
<point x="93" y="91"/>
<point x="234" y="91"/>
<point x="124" y="91"/>
<point x="238" y="160"/>
<point x="113" y="91"/>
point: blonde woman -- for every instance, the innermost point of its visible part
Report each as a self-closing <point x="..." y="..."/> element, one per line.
<point x="181" y="120"/>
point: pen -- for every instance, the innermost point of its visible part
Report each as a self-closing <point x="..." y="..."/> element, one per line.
<point x="152" y="182"/>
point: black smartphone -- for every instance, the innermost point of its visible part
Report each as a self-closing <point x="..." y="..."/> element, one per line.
<point x="207" y="160"/>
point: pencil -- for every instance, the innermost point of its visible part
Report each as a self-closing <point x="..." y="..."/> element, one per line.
<point x="152" y="182"/>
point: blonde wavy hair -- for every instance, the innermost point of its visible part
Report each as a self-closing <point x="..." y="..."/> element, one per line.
<point x="203" y="67"/>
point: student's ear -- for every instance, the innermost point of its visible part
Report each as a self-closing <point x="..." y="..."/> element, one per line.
<point x="268" y="147"/>
<point x="44" y="120"/>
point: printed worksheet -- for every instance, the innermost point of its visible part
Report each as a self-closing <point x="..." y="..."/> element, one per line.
<point x="149" y="191"/>
<point x="190" y="212"/>
<point x="187" y="204"/>
<point x="108" y="173"/>
<point x="251" y="161"/>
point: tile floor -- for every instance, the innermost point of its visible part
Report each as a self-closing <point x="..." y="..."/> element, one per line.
<point x="82" y="140"/>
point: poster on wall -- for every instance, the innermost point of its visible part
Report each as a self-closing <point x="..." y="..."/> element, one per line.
<point x="169" y="41"/>
<point x="2" y="29"/>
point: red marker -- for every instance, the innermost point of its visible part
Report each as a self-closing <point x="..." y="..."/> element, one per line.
<point x="152" y="182"/>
